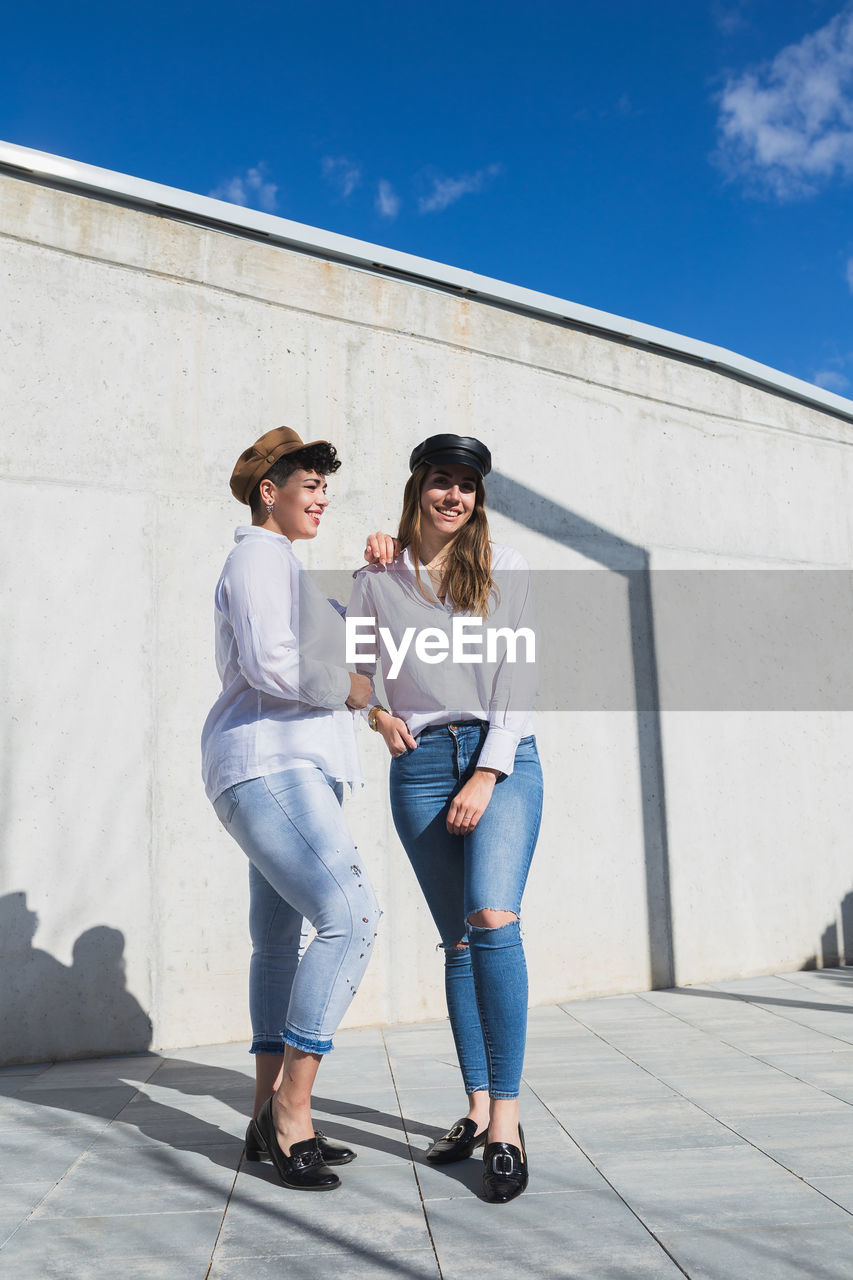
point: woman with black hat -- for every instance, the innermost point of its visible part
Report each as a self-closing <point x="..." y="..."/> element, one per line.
<point x="466" y="783"/>
<point x="278" y="747"/>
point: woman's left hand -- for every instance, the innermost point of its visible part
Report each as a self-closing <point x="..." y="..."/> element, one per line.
<point x="382" y="548"/>
<point x="471" y="801"/>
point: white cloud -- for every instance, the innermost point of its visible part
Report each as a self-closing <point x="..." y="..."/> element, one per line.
<point x="342" y="173"/>
<point x="387" y="201"/>
<point x="446" y="191"/>
<point x="832" y="380"/>
<point x="728" y="18"/>
<point x="250" y="188"/>
<point x="787" y="126"/>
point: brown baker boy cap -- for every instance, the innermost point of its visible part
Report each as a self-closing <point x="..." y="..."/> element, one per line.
<point x="254" y="462"/>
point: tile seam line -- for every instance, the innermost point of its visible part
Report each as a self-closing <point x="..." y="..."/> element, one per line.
<point x="73" y="1165"/>
<point x="224" y="1212"/>
<point x="446" y="344"/>
<point x="607" y="1181"/>
<point x="411" y="1150"/>
<point x="716" y="1119"/>
<point x="753" y="1002"/>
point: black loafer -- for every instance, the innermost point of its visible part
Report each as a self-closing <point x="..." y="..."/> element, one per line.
<point x="457" y="1144"/>
<point x="303" y="1170"/>
<point x="331" y="1152"/>
<point x="505" y="1172"/>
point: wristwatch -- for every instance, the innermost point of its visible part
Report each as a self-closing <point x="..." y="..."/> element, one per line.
<point x="372" y="714"/>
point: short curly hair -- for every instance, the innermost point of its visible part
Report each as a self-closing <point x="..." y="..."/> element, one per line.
<point x="321" y="457"/>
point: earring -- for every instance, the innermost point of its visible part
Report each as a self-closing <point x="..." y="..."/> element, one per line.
<point x="270" y="506"/>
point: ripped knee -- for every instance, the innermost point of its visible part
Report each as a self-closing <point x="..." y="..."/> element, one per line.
<point x="488" y="918"/>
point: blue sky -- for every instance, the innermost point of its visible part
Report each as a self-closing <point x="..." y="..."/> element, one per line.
<point x="686" y="163"/>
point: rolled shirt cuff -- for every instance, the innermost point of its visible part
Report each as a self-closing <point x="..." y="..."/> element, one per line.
<point x="498" y="750"/>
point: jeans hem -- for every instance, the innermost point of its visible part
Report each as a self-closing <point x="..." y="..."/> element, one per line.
<point x="307" y="1044"/>
<point x="265" y="1044"/>
<point x="475" y="1088"/>
<point x="503" y="1097"/>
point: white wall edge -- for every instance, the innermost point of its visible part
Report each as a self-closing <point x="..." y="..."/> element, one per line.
<point x="236" y="219"/>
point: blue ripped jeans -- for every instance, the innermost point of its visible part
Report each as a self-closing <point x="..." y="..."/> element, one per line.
<point x="486" y="981"/>
<point x="303" y="868"/>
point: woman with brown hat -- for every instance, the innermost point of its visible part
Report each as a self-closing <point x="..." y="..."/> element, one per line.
<point x="277" y="748"/>
<point x="466" y="783"/>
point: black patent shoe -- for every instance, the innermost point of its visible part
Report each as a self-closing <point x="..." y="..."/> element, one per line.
<point x="505" y="1172"/>
<point x="303" y="1170"/>
<point x="457" y="1144"/>
<point x="332" y="1152"/>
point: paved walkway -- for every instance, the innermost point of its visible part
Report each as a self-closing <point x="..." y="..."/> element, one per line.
<point x="705" y="1132"/>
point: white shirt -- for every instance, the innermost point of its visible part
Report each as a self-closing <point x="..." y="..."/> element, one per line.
<point x="424" y="693"/>
<point x="280" y="649"/>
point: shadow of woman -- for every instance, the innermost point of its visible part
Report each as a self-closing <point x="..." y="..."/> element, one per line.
<point x="49" y="1010"/>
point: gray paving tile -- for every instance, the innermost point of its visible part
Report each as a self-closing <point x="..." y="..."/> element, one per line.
<point x="201" y="1080"/>
<point x="366" y="1265"/>
<point x="20" y="1198"/>
<point x="98" y="1072"/>
<point x="37" y="1157"/>
<point x="627" y="1087"/>
<point x="734" y="1094"/>
<point x="636" y="1127"/>
<point x="85" y="1247"/>
<point x="809" y="1145"/>
<point x="12" y="1086"/>
<point x="802" y="1253"/>
<point x="425" y="1073"/>
<point x="837" y="1187"/>
<point x="9" y="1223"/>
<point x="727" y="1187"/>
<point x="431" y="1112"/>
<point x="188" y="1134"/>
<point x="783" y="1037"/>
<point x="148" y="1181"/>
<point x="612" y="1008"/>
<point x="376" y="1210"/>
<point x="831" y="1072"/>
<point x="60" y="1108"/>
<point x="354" y="1098"/>
<point x="24" y="1069"/>
<point x="583" y="1234"/>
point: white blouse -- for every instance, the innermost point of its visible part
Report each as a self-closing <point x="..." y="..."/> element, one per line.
<point x="431" y="690"/>
<point x="280" y="653"/>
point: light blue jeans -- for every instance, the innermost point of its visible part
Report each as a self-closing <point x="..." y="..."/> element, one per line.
<point x="485" y="981"/>
<point x="303" y="867"/>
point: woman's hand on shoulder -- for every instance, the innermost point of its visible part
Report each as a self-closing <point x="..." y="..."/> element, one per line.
<point x="381" y="548"/>
<point x="470" y="802"/>
<point x="395" y="732"/>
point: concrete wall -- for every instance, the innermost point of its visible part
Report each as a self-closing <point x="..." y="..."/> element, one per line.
<point x="139" y="356"/>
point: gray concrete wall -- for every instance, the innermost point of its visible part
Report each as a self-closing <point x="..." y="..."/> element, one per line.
<point x="139" y="356"/>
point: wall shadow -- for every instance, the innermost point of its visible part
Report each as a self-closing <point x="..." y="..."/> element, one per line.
<point x="631" y="562"/>
<point x="836" y="940"/>
<point x="49" y="1010"/>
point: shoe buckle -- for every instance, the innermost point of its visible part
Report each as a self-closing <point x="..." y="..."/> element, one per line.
<point x="456" y="1132"/>
<point x="503" y="1164"/>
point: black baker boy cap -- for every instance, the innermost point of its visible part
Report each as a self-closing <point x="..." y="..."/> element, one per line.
<point x="466" y="450"/>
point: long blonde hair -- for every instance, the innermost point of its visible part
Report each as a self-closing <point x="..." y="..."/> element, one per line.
<point x="467" y="575"/>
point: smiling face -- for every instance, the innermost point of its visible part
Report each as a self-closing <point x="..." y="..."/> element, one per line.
<point x="448" y="497"/>
<point x="297" y="505"/>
